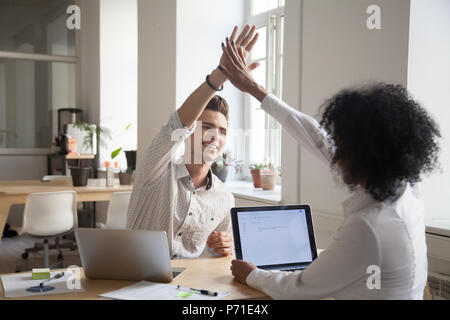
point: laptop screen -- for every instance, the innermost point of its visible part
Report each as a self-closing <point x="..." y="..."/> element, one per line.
<point x="275" y="236"/>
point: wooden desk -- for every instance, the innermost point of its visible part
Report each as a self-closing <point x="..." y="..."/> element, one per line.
<point x="203" y="273"/>
<point x="16" y="192"/>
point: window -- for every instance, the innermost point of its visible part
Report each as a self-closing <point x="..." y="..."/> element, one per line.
<point x="265" y="133"/>
<point x="37" y="71"/>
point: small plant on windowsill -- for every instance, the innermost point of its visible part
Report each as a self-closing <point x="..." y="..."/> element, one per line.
<point x="264" y="174"/>
<point x="268" y="176"/>
<point x="255" y="170"/>
<point x="222" y="163"/>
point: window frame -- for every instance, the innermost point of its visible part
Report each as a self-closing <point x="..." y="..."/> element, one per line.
<point x="38" y="57"/>
<point x="272" y="84"/>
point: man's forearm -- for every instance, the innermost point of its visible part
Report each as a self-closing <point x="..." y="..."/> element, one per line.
<point x="194" y="105"/>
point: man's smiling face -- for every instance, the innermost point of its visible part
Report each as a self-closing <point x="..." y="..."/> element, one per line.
<point x="212" y="127"/>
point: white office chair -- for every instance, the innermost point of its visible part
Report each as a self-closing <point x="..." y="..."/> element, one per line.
<point x="116" y="217"/>
<point x="49" y="215"/>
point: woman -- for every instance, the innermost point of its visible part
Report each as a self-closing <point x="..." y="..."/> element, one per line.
<point x="380" y="141"/>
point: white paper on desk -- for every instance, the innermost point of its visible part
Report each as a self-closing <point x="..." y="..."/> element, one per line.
<point x="146" y="290"/>
<point x="16" y="285"/>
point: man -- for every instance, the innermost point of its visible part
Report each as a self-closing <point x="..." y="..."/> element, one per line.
<point x="175" y="190"/>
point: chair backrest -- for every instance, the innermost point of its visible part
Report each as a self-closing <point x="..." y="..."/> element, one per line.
<point x="116" y="218"/>
<point x="50" y="213"/>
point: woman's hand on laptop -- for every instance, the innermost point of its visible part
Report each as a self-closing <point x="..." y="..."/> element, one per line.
<point x="220" y="242"/>
<point x="241" y="269"/>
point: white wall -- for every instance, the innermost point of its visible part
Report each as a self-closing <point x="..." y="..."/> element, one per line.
<point x="201" y="26"/>
<point x="156" y="66"/>
<point x="88" y="97"/>
<point x="337" y="51"/>
<point x="118" y="74"/>
<point x="292" y="74"/>
<point x="429" y="82"/>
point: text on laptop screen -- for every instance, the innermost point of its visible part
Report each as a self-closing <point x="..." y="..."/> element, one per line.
<point x="274" y="237"/>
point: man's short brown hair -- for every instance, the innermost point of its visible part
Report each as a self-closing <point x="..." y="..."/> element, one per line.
<point x="218" y="104"/>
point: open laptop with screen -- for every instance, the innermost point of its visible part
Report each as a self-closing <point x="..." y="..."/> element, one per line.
<point x="274" y="237"/>
<point x="125" y="255"/>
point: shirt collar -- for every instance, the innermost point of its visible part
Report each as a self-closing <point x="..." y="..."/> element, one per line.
<point x="181" y="172"/>
<point x="357" y="202"/>
<point x="361" y="199"/>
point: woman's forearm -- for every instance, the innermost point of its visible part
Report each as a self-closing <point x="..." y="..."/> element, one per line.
<point x="258" y="91"/>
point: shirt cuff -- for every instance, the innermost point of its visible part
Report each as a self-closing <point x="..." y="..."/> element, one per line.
<point x="178" y="133"/>
<point x="175" y="124"/>
<point x="256" y="278"/>
<point x="276" y="108"/>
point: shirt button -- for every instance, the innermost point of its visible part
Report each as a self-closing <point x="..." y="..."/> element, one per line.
<point x="190" y="213"/>
<point x="179" y="234"/>
<point x="193" y="192"/>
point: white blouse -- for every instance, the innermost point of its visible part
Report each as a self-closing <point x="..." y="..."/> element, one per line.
<point x="379" y="251"/>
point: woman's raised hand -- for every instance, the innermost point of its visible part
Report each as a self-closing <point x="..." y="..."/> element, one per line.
<point x="245" y="42"/>
<point x="237" y="71"/>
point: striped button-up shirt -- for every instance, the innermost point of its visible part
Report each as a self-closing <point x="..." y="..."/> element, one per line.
<point x="164" y="197"/>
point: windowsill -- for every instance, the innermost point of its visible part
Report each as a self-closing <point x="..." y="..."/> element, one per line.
<point x="438" y="227"/>
<point x="245" y="190"/>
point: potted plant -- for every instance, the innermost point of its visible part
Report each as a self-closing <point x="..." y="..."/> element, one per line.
<point x="124" y="176"/>
<point x="220" y="165"/>
<point x="268" y="176"/>
<point x="80" y="175"/>
<point x="101" y="135"/>
<point x="130" y="154"/>
<point x="131" y="159"/>
<point x="255" y="170"/>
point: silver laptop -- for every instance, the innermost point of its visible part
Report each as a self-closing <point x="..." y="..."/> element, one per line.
<point x="125" y="255"/>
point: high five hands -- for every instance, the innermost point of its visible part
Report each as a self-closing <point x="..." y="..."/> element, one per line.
<point x="245" y="43"/>
<point x="234" y="62"/>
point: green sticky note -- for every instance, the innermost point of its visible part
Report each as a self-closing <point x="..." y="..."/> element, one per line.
<point x="184" y="294"/>
<point x="40" y="274"/>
